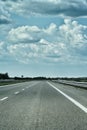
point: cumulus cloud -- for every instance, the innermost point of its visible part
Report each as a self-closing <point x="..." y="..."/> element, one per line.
<point x="71" y="8"/>
<point x="5" y="56"/>
<point x="2" y="49"/>
<point x="73" y="33"/>
<point x="67" y="42"/>
<point x="36" y="52"/>
<point x="24" y="34"/>
<point x="75" y="38"/>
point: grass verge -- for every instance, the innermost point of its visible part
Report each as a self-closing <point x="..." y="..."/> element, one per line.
<point x="2" y="83"/>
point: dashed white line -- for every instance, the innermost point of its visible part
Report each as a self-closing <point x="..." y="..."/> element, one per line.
<point x="69" y="98"/>
<point x="3" y="99"/>
<point x="16" y="92"/>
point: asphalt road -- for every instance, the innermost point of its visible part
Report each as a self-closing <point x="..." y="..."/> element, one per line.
<point x="42" y="105"/>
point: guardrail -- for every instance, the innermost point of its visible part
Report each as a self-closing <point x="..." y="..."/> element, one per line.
<point x="73" y="83"/>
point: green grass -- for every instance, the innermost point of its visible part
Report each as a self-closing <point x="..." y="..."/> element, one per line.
<point x="11" y="82"/>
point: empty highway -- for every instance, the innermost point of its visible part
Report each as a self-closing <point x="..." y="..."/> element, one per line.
<point x="42" y="105"/>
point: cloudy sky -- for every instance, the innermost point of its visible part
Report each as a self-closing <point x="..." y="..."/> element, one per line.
<point x="43" y="37"/>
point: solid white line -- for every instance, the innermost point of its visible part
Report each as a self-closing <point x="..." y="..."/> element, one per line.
<point x="16" y="92"/>
<point x="3" y="99"/>
<point x="69" y="98"/>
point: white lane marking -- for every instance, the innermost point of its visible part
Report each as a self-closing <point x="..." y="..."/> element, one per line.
<point x="16" y="92"/>
<point x="69" y="98"/>
<point x="3" y="99"/>
<point x="23" y="89"/>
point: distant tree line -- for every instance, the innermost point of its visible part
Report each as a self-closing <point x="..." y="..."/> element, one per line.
<point x="4" y="76"/>
<point x="79" y="79"/>
<point x="31" y="78"/>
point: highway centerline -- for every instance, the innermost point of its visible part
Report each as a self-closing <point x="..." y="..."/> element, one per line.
<point x="69" y="98"/>
<point x="3" y="98"/>
<point x="16" y="92"/>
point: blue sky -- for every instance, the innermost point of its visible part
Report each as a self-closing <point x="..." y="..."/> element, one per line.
<point x="43" y="37"/>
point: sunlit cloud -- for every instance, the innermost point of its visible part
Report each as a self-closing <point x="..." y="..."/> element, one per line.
<point x="66" y="42"/>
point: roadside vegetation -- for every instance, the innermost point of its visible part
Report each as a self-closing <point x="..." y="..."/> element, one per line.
<point x="2" y="83"/>
<point x="6" y="80"/>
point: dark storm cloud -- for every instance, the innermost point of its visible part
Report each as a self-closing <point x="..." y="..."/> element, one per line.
<point x="71" y="8"/>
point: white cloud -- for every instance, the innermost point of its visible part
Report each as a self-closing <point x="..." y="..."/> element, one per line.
<point x="67" y="42"/>
<point x="51" y="29"/>
<point x="35" y="52"/>
<point x="73" y="33"/>
<point x="24" y="34"/>
<point x="2" y="49"/>
<point x="1" y="45"/>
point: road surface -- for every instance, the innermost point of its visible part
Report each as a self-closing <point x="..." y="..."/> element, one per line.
<point x="42" y="105"/>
